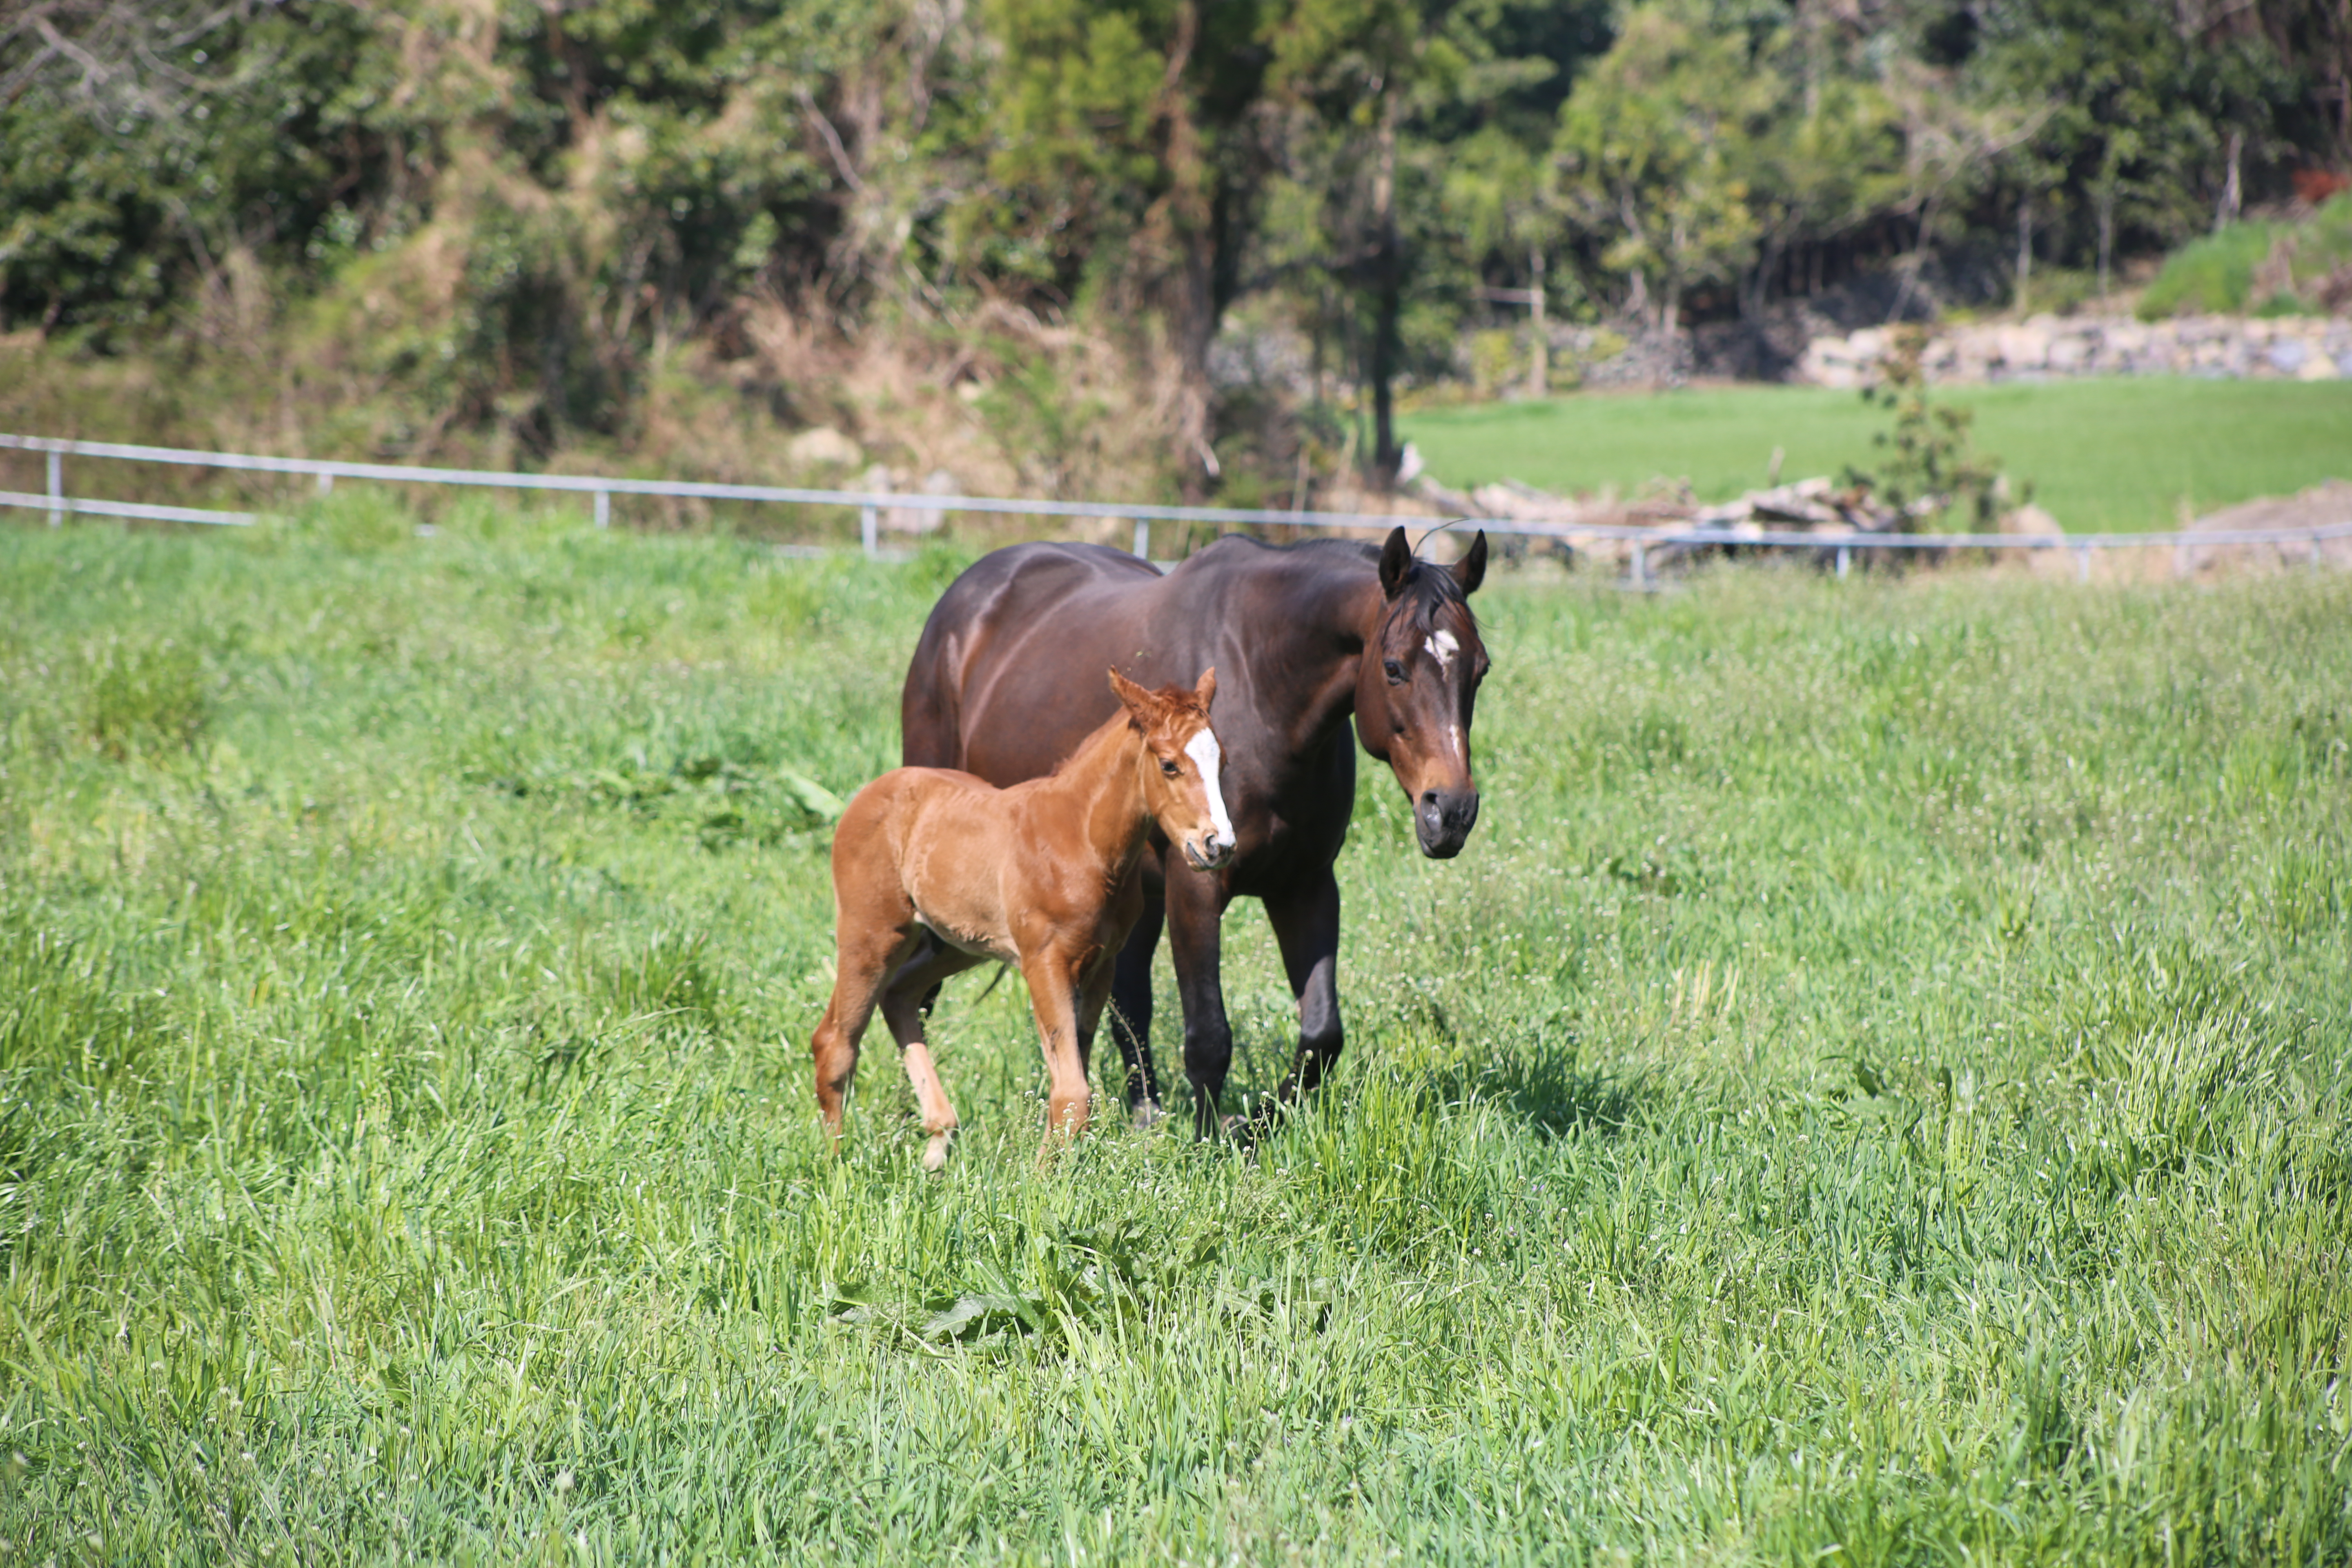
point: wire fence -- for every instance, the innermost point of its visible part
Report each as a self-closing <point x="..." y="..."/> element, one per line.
<point x="1638" y="541"/>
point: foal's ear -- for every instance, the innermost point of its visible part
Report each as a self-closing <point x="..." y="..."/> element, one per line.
<point x="1471" y="570"/>
<point x="1396" y="560"/>
<point x="1134" y="698"/>
<point x="1204" y="690"/>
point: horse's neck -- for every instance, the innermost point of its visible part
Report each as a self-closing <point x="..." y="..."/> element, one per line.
<point x="1321" y="627"/>
<point x="1101" y="786"/>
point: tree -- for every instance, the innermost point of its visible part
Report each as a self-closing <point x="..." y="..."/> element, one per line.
<point x="1658" y="144"/>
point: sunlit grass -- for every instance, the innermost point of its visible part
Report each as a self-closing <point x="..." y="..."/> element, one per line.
<point x="1876" y="1080"/>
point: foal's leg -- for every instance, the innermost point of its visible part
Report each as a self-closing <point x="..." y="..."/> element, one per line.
<point x="1306" y="920"/>
<point x="1053" y="997"/>
<point x="905" y="1000"/>
<point x="871" y="933"/>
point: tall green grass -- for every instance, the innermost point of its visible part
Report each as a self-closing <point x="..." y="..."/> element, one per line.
<point x="1874" y="1090"/>
<point x="2106" y="454"/>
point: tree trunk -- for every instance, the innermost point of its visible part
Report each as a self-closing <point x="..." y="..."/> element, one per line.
<point x="1387" y="298"/>
<point x="1539" y="351"/>
<point x="2232" y="195"/>
<point x="2106" y="202"/>
<point x="1180" y="226"/>
<point x="2024" y="251"/>
<point x="1387" y="307"/>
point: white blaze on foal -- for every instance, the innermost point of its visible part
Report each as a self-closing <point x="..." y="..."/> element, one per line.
<point x="1206" y="756"/>
<point x="1442" y="645"/>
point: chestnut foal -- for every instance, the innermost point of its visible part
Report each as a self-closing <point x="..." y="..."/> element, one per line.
<point x="935" y="871"/>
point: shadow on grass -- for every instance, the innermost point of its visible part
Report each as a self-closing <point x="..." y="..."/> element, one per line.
<point x="1542" y="1085"/>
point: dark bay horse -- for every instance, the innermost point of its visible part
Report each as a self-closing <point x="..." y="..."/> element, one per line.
<point x="1006" y="681"/>
<point x="935" y="870"/>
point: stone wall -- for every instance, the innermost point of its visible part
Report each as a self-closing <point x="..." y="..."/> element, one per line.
<point x="2304" y="348"/>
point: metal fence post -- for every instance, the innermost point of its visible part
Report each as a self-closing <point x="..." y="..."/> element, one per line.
<point x="1143" y="538"/>
<point x="869" y="530"/>
<point x="2082" y="563"/>
<point x="56" y="489"/>
<point x="604" y="509"/>
<point x="1641" y="563"/>
<point x="1846" y="559"/>
<point x="326" y="485"/>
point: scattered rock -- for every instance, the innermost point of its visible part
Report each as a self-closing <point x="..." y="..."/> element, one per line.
<point x="2305" y="348"/>
<point x="823" y="446"/>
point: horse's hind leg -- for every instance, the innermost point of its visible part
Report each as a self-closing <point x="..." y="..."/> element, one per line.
<point x="867" y="947"/>
<point x="1131" y="1016"/>
<point x="905" y="1000"/>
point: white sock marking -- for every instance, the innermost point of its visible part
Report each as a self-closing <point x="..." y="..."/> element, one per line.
<point x="1208" y="757"/>
<point x="1441" y="647"/>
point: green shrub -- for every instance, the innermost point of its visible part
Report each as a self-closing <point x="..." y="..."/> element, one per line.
<point x="2264" y="268"/>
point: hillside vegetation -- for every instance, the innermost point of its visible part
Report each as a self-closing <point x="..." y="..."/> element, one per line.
<point x="1004" y="238"/>
<point x="1873" y="1089"/>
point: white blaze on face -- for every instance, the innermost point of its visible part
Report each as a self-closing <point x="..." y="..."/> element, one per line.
<point x="1209" y="757"/>
<point x="1441" y="647"/>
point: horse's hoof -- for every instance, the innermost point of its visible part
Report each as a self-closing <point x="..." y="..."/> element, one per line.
<point x="1147" y="1115"/>
<point x="935" y="1152"/>
<point x="1241" y="1132"/>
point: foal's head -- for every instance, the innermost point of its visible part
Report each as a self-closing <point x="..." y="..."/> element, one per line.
<point x="1183" y="762"/>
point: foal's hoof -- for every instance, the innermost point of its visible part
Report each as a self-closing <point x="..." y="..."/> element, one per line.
<point x="935" y="1152"/>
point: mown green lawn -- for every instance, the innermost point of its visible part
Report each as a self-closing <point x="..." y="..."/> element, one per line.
<point x="1875" y="1090"/>
<point x="2103" y="456"/>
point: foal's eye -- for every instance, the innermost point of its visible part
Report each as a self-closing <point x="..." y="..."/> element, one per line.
<point x="1168" y="767"/>
<point x="1395" y="672"/>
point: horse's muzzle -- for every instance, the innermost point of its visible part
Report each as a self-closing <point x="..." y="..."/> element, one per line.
<point x="1441" y="820"/>
<point x="1211" y="854"/>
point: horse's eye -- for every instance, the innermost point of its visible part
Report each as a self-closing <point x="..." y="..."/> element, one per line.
<point x="1395" y="672"/>
<point x="1168" y="767"/>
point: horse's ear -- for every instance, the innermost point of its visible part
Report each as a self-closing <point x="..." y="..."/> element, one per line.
<point x="1133" y="698"/>
<point x="1204" y="690"/>
<point x="1471" y="570"/>
<point x="1396" y="560"/>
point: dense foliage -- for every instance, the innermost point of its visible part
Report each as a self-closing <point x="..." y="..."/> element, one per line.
<point x="507" y="215"/>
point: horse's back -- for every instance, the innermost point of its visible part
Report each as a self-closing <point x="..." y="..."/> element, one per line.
<point x="1034" y="612"/>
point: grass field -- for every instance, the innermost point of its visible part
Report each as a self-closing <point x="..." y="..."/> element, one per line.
<point x="2103" y="456"/>
<point x="1873" y="1090"/>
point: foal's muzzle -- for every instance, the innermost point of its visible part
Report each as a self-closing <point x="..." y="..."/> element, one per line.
<point x="1210" y="853"/>
<point x="1442" y="820"/>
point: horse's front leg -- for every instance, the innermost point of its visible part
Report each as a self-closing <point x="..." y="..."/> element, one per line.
<point x="1196" y="907"/>
<point x="1306" y="920"/>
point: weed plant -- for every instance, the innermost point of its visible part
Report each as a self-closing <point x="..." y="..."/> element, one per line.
<point x="1874" y="1090"/>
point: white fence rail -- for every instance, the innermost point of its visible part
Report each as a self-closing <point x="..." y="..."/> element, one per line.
<point x="870" y="504"/>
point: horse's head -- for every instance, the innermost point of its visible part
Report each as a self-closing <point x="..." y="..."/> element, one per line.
<point x="1417" y="684"/>
<point x="1182" y="763"/>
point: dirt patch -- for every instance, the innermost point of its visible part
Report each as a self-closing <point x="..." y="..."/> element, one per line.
<point x="2322" y="506"/>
